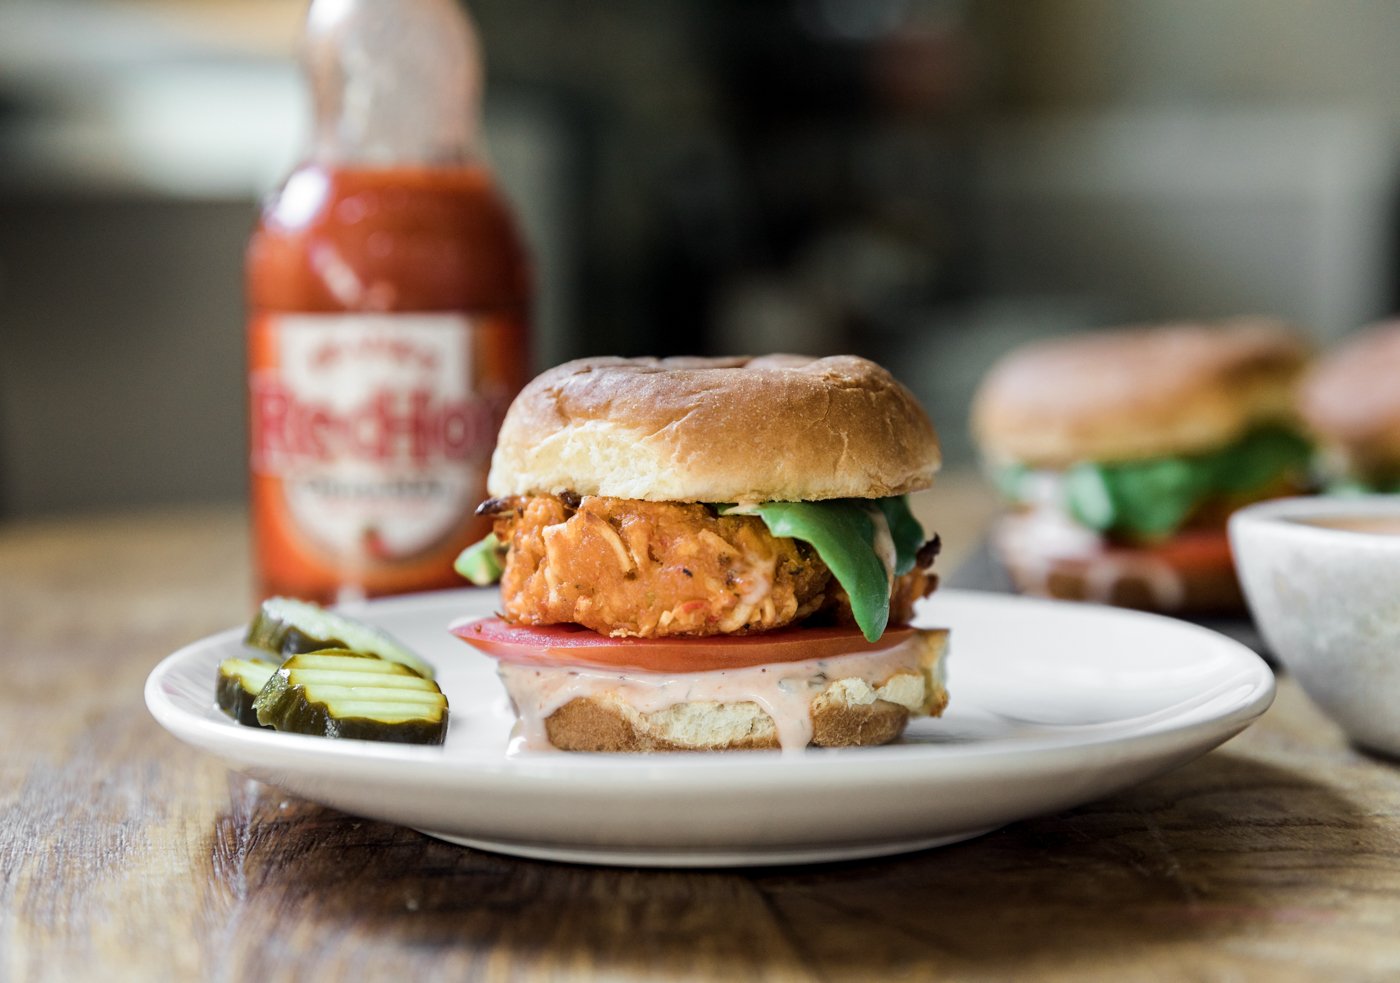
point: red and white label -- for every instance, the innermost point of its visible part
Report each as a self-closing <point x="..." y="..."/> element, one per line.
<point x="371" y="425"/>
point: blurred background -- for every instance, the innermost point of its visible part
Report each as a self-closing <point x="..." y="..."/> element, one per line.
<point x="925" y="182"/>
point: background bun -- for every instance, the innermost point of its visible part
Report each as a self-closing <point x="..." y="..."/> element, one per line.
<point x="1352" y="399"/>
<point x="1138" y="392"/>
<point x="776" y="428"/>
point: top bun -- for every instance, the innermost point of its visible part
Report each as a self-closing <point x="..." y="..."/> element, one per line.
<point x="1351" y="400"/>
<point x="776" y="428"/>
<point x="1138" y="392"/>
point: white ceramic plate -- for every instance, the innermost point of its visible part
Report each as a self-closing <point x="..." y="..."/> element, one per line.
<point x="1053" y="705"/>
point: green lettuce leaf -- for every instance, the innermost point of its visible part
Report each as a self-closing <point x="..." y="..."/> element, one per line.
<point x="1261" y="457"/>
<point x="481" y="562"/>
<point x="1358" y="485"/>
<point x="843" y="534"/>
<point x="1010" y="479"/>
<point x="1153" y="498"/>
<point x="905" y="530"/>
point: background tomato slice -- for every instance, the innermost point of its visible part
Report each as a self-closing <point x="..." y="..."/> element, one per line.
<point x="1202" y="550"/>
<point x="554" y="645"/>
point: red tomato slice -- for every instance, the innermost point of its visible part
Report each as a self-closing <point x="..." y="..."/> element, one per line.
<point x="553" y="645"/>
<point x="1201" y="550"/>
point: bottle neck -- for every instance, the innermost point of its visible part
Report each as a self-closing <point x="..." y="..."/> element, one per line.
<point x="393" y="82"/>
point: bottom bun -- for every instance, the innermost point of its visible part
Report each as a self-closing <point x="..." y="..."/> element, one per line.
<point x="846" y="701"/>
<point x="1193" y="573"/>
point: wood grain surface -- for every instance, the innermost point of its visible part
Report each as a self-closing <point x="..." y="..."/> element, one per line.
<point x="126" y="855"/>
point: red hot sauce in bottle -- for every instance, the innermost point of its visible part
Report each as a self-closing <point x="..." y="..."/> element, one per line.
<point x="388" y="331"/>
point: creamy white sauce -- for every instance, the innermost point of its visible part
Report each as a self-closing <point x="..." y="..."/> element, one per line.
<point x="883" y="546"/>
<point x="757" y="583"/>
<point x="1049" y="533"/>
<point x="784" y="691"/>
<point x="1036" y="540"/>
<point x="884" y="541"/>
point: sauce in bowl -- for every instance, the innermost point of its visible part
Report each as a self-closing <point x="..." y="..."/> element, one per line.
<point x="1384" y="525"/>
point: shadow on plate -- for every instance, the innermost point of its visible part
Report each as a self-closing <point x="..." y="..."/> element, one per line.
<point x="1208" y="850"/>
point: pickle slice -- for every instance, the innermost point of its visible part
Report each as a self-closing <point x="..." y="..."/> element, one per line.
<point x="239" y="683"/>
<point x="285" y="626"/>
<point x="338" y="693"/>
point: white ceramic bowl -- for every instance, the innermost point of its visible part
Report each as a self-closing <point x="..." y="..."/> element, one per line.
<point x="1327" y="602"/>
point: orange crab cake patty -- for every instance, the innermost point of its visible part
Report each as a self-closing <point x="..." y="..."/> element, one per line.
<point x="651" y="569"/>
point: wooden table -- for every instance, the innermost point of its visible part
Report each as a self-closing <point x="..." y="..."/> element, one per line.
<point x="126" y="855"/>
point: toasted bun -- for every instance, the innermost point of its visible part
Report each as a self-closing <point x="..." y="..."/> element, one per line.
<point x="776" y="428"/>
<point x="1180" y="583"/>
<point x="847" y="712"/>
<point x="603" y="724"/>
<point x="1138" y="392"/>
<point x="1352" y="402"/>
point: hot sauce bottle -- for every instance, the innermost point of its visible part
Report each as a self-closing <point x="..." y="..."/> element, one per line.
<point x="388" y="295"/>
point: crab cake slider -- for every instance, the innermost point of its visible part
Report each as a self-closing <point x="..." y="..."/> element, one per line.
<point x="711" y="553"/>
<point x="1123" y="452"/>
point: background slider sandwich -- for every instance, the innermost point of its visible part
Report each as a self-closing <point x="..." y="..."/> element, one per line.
<point x="1351" y="403"/>
<point x="1123" y="452"/>
<point x="706" y="554"/>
